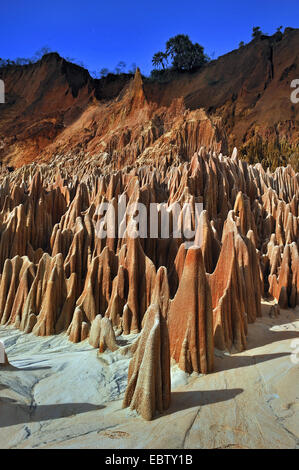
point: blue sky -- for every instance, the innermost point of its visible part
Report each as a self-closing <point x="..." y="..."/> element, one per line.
<point x="101" y="33"/>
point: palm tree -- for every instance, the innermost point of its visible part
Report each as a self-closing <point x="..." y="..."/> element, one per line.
<point x="158" y="59"/>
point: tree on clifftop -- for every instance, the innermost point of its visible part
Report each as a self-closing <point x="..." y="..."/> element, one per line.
<point x="256" y="32"/>
<point x="185" y="55"/>
<point x="158" y="59"/>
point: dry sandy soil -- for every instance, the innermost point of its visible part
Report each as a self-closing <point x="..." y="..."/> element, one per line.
<point x="60" y="395"/>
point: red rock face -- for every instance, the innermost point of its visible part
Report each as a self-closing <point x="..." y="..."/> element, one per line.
<point x="131" y="141"/>
<point x="58" y="274"/>
<point x="71" y="116"/>
<point x="148" y="389"/>
<point x="190" y="319"/>
<point x="228" y="299"/>
<point x="242" y="99"/>
<point x="53" y="263"/>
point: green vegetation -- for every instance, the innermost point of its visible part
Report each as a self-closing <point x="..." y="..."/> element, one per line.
<point x="181" y="56"/>
<point x="271" y="154"/>
<point x="104" y="72"/>
<point x="256" y="32"/>
<point x="120" y="69"/>
<point x="159" y="59"/>
<point x="184" y="56"/>
<point x="35" y="58"/>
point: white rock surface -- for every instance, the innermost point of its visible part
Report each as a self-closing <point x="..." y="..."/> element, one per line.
<point x="57" y="394"/>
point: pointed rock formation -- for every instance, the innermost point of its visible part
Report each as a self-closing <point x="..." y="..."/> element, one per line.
<point x="3" y="356"/>
<point x="190" y="318"/>
<point x="148" y="389"/>
<point x="107" y="338"/>
<point x="60" y="273"/>
<point x="228" y="299"/>
<point x="95" y="332"/>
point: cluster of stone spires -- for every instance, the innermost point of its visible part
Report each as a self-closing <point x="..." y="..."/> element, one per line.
<point x="58" y="276"/>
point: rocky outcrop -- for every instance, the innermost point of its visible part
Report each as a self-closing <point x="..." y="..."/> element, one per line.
<point x="62" y="271"/>
<point x="285" y="286"/>
<point x="95" y="332"/>
<point x="148" y="389"/>
<point x="3" y="356"/>
<point x="69" y="264"/>
<point x="190" y="320"/>
<point x="107" y="338"/>
<point x="228" y="299"/>
<point x="59" y="109"/>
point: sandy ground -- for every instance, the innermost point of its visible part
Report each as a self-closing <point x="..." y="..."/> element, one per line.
<point x="60" y="395"/>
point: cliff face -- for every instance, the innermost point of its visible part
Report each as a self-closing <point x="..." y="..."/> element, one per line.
<point x="54" y="107"/>
<point x="41" y="100"/>
<point x="250" y="89"/>
<point x="242" y="99"/>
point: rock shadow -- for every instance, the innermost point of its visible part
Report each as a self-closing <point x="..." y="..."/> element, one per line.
<point x="190" y="399"/>
<point x="270" y="336"/>
<point x="12" y="413"/>
<point x="11" y="368"/>
<point x="235" y="361"/>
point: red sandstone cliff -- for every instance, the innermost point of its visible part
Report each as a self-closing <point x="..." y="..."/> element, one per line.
<point x="242" y="99"/>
